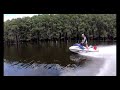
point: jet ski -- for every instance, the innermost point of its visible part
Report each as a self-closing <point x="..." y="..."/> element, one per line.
<point x="76" y="48"/>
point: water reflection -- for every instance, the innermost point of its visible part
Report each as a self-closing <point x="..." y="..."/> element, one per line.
<point x="38" y="54"/>
<point x="78" y="59"/>
<point x="22" y="69"/>
<point x="86" y="66"/>
<point x="47" y="59"/>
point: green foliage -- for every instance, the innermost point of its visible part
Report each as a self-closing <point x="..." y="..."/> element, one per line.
<point x="60" y="26"/>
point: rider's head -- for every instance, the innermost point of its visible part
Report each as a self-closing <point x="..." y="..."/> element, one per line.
<point x="83" y="35"/>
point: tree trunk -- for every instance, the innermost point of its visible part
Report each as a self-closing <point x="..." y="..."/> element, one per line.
<point x="16" y="38"/>
<point x="66" y="36"/>
<point x="60" y="36"/>
<point x="93" y="34"/>
<point x="99" y="34"/>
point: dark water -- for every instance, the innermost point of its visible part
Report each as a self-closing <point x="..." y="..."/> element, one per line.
<point x="49" y="59"/>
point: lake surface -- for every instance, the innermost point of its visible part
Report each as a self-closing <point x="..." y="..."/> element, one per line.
<point x="55" y="59"/>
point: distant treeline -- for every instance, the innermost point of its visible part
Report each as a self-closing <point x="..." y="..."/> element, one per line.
<point x="52" y="27"/>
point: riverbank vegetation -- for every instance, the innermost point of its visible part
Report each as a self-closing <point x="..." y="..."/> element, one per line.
<point x="57" y="27"/>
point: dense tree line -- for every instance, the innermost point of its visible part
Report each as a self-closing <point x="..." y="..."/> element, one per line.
<point x="45" y="27"/>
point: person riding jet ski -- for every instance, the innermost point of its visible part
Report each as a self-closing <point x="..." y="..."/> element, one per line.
<point x="84" y="41"/>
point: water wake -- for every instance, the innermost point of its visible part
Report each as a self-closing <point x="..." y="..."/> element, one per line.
<point x="108" y="68"/>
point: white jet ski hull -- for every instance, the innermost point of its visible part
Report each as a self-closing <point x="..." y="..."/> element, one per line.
<point x="77" y="49"/>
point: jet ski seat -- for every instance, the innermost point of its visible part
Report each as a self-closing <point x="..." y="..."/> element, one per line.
<point x="81" y="46"/>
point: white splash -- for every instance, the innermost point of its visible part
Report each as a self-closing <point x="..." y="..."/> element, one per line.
<point x="108" y="68"/>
